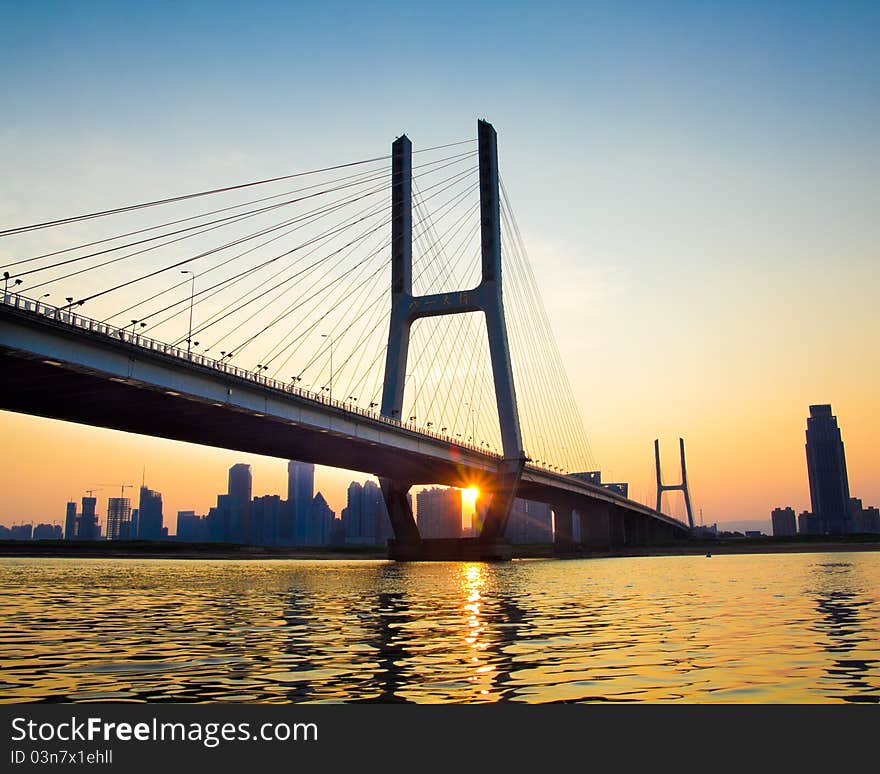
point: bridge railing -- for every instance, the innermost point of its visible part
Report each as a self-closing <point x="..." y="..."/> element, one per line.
<point x="65" y="316"/>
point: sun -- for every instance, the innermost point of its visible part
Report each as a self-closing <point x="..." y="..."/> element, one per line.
<point x="470" y="495"/>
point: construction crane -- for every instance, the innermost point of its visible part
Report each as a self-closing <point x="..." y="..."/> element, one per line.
<point x="92" y="491"/>
<point x="122" y="488"/>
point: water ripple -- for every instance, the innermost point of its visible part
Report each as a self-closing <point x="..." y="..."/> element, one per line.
<point x="761" y="628"/>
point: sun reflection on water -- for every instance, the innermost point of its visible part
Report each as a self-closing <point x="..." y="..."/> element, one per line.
<point x="761" y="628"/>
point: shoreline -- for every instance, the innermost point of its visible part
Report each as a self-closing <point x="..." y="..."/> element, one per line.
<point x="11" y="549"/>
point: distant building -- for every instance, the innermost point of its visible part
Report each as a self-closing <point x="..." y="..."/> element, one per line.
<point x="826" y="470"/>
<point x="320" y="522"/>
<point x="705" y="532"/>
<point x="754" y="533"/>
<point x="237" y="519"/>
<point x="590" y="476"/>
<point x="191" y="528"/>
<point x="863" y="520"/>
<point x="619" y="487"/>
<point x="337" y="533"/>
<point x="595" y="477"/>
<point x="150" y="518"/>
<point x="870" y="520"/>
<point x="88" y="528"/>
<point x="300" y="494"/>
<point x="807" y="524"/>
<point x="118" y="518"/>
<point x="365" y="517"/>
<point x="47" y="532"/>
<point x="268" y="514"/>
<point x="70" y="520"/>
<point x="21" y="531"/>
<point x="219" y="519"/>
<point x="438" y="513"/>
<point x="784" y="522"/>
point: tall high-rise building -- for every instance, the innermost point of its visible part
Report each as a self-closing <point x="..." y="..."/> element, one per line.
<point x="118" y="518"/>
<point x="70" y="522"/>
<point x="319" y="523"/>
<point x="352" y="514"/>
<point x="379" y="519"/>
<point x="267" y="517"/>
<point x="300" y="493"/>
<point x="88" y="528"/>
<point x="365" y="517"/>
<point x="784" y="522"/>
<point x="826" y="469"/>
<point x="238" y="518"/>
<point x="240" y="483"/>
<point x="438" y="513"/>
<point x="149" y="520"/>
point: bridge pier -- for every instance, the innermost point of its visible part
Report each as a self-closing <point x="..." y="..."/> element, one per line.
<point x="563" y="530"/>
<point x="602" y="526"/>
<point x="399" y="511"/>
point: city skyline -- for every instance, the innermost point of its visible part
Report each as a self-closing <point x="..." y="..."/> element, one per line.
<point x="338" y="496"/>
<point x="701" y="247"/>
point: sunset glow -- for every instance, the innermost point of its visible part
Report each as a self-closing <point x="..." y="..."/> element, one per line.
<point x="470" y="495"/>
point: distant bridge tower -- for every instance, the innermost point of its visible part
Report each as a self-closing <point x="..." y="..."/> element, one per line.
<point x="485" y="297"/>
<point x="683" y="486"/>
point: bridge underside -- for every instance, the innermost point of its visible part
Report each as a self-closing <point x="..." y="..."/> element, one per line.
<point x="30" y="385"/>
<point x="62" y="374"/>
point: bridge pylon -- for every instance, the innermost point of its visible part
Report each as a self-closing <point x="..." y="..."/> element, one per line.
<point x="682" y="487"/>
<point x="487" y="297"/>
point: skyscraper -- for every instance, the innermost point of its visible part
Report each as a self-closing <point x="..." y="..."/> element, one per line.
<point x="438" y="513"/>
<point x="88" y="520"/>
<point x="826" y="469"/>
<point x="365" y="518"/>
<point x="149" y="522"/>
<point x="238" y="518"/>
<point x="300" y="493"/>
<point x="319" y="522"/>
<point x="118" y="518"/>
<point x="70" y="522"/>
<point x="240" y="483"/>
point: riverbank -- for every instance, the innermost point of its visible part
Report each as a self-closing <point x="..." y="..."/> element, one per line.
<point x="170" y="549"/>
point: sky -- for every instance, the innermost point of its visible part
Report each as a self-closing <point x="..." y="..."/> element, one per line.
<point x="697" y="186"/>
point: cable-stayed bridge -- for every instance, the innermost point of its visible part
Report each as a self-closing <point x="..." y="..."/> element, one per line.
<point x="356" y="319"/>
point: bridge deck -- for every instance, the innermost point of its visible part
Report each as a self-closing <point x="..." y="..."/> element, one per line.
<point x="66" y="366"/>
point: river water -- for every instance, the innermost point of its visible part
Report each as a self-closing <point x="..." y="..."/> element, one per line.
<point x="737" y="628"/>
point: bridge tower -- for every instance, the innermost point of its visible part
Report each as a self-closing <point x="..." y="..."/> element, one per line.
<point x="486" y="297"/>
<point x="682" y="487"/>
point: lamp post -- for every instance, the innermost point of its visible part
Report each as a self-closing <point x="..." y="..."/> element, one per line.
<point x="192" y="294"/>
<point x="330" y="339"/>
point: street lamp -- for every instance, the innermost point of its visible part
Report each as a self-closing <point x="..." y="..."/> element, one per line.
<point x="330" y="339"/>
<point x="192" y="294"/>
